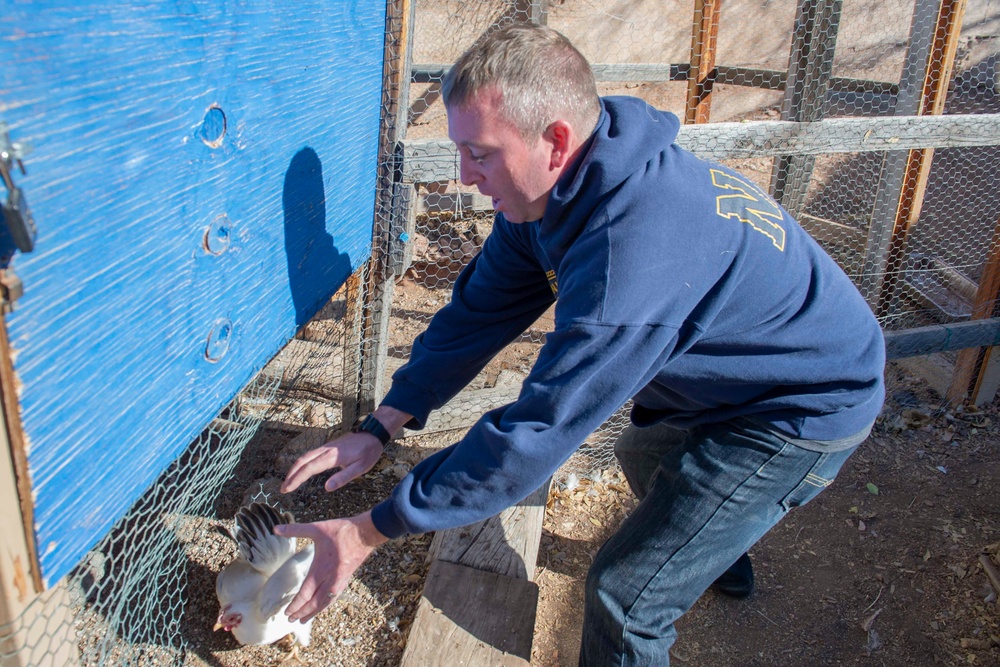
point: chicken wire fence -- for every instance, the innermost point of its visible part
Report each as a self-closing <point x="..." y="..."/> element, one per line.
<point x="907" y="206"/>
<point x="124" y="602"/>
<point x="909" y="209"/>
<point x="145" y="595"/>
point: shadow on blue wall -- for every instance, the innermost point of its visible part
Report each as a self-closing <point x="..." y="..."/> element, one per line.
<point x="316" y="268"/>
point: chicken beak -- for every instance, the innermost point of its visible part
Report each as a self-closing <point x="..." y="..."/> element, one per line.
<point x="217" y="627"/>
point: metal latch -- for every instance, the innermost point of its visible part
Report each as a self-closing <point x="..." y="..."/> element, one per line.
<point x="17" y="218"/>
<point x="11" y="289"/>
<point x="16" y="213"/>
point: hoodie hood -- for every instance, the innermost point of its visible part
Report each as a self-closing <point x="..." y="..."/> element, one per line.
<point x="629" y="132"/>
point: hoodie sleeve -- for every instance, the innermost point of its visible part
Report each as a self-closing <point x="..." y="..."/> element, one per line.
<point x="584" y="373"/>
<point x="497" y="297"/>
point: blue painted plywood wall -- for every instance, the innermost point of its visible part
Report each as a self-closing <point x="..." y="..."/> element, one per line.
<point x="203" y="179"/>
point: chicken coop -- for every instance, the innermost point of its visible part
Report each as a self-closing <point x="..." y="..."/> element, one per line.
<point x="225" y="222"/>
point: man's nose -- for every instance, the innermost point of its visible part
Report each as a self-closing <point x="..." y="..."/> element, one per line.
<point x="467" y="172"/>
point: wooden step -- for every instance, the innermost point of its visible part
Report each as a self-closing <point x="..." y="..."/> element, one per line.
<point x="479" y="601"/>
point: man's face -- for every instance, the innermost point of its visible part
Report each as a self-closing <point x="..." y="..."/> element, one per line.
<point x="516" y="174"/>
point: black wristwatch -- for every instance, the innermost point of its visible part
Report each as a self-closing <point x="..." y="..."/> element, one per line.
<point x="371" y="425"/>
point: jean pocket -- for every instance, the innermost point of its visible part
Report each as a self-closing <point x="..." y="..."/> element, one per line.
<point x="820" y="476"/>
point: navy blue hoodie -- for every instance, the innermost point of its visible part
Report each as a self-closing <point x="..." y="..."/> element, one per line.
<point x="678" y="283"/>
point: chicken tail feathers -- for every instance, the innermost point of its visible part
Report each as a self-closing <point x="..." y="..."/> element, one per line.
<point x="225" y="532"/>
<point x="256" y="540"/>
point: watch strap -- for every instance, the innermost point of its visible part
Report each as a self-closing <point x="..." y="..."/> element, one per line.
<point x="369" y="424"/>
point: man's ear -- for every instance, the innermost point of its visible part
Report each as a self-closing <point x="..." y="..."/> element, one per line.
<point x="559" y="135"/>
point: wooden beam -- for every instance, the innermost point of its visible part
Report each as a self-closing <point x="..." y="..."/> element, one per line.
<point x="405" y="228"/>
<point x="471" y="617"/>
<point x="478" y="605"/>
<point x="23" y="512"/>
<point x="704" y="36"/>
<point x="36" y="626"/>
<point x="18" y="587"/>
<point x="810" y="65"/>
<point x="989" y="378"/>
<point x="937" y="75"/>
<point x="376" y="282"/>
<point x="942" y="338"/>
<point x="351" y="408"/>
<point x="751" y="77"/>
<point x="504" y="544"/>
<point x="430" y="160"/>
<point x="971" y="363"/>
<point x="833" y="233"/>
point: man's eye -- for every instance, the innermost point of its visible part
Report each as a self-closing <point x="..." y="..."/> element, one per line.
<point x="477" y="157"/>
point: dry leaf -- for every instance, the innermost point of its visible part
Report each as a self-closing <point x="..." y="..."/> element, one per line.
<point x="867" y="625"/>
<point x="915" y="418"/>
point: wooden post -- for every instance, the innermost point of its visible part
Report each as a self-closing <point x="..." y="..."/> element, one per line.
<point x="988" y="378"/>
<point x="893" y="192"/>
<point x="971" y="364"/>
<point x="364" y="364"/>
<point x="701" y="75"/>
<point x="36" y="627"/>
<point x="937" y="75"/>
<point x="810" y="66"/>
<point x="18" y="502"/>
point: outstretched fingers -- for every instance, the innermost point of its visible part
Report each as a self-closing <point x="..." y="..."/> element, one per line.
<point x="312" y="597"/>
<point x="341" y="546"/>
<point x="309" y="601"/>
<point x="349" y="472"/>
<point x="311" y="463"/>
<point x="356" y="453"/>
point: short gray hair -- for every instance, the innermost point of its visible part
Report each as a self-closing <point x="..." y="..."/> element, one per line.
<point x="541" y="77"/>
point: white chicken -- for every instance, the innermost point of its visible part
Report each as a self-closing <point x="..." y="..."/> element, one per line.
<point x="255" y="588"/>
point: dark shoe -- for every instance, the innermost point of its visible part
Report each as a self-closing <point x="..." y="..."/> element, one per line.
<point x="737" y="581"/>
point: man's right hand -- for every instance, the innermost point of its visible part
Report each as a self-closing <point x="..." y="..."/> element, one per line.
<point x="353" y="453"/>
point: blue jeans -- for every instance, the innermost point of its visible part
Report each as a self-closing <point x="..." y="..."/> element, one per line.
<point x="706" y="496"/>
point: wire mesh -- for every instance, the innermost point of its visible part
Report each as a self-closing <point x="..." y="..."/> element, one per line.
<point x="914" y="229"/>
<point x="926" y="257"/>
<point x="124" y="604"/>
<point x="144" y="595"/>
